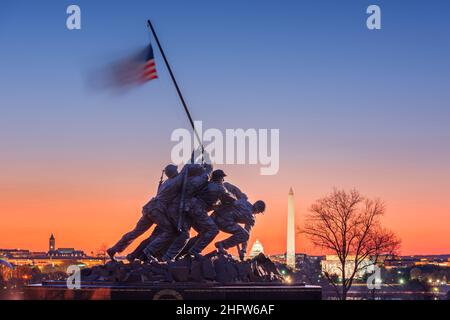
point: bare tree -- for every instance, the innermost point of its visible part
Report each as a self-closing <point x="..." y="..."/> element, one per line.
<point x="348" y="224"/>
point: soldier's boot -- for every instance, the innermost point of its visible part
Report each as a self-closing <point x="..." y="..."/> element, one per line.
<point x="143" y="257"/>
<point x="195" y="256"/>
<point x="131" y="257"/>
<point x="220" y="248"/>
<point x="176" y="246"/>
<point x="167" y="260"/>
<point x="111" y="252"/>
<point x="149" y="256"/>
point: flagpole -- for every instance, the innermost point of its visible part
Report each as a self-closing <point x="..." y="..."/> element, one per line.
<point x="183" y="102"/>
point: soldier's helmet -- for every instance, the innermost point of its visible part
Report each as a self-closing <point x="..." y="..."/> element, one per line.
<point x="259" y="206"/>
<point x="217" y="175"/>
<point x="171" y="171"/>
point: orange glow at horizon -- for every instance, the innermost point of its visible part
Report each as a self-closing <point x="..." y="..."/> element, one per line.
<point x="88" y="209"/>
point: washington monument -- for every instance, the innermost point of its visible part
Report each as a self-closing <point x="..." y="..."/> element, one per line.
<point x="290" y="250"/>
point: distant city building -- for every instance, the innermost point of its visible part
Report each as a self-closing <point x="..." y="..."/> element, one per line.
<point x="54" y="256"/>
<point x="14" y="253"/>
<point x="300" y="258"/>
<point x="67" y="252"/>
<point x="257" y="248"/>
<point x="290" y="249"/>
<point x="63" y="252"/>
<point x="51" y="244"/>
<point x="411" y="261"/>
<point x="332" y="265"/>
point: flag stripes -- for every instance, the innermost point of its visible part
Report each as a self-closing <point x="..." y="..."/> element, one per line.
<point x="149" y="72"/>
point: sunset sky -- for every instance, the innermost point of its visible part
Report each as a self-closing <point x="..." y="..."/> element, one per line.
<point x="355" y="108"/>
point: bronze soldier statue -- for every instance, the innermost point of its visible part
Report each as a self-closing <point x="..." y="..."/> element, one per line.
<point x="154" y="212"/>
<point x="204" y="201"/>
<point x="229" y="217"/>
<point x="185" y="221"/>
<point x="183" y="202"/>
<point x="196" y="178"/>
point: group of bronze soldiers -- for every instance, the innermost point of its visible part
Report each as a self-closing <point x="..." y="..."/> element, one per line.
<point x="184" y="201"/>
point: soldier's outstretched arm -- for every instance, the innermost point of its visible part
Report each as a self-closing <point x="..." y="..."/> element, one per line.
<point x="226" y="197"/>
<point x="206" y="158"/>
<point x="198" y="181"/>
<point x="235" y="190"/>
<point x="208" y="168"/>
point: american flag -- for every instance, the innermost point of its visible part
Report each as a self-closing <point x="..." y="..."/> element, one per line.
<point x="136" y="69"/>
<point x="150" y="66"/>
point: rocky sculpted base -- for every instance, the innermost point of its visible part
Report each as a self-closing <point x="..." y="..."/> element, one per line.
<point x="215" y="268"/>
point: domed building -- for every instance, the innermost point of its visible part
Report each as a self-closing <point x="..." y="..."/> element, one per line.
<point x="257" y="248"/>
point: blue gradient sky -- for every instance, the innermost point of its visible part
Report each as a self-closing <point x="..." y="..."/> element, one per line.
<point x="356" y="108"/>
